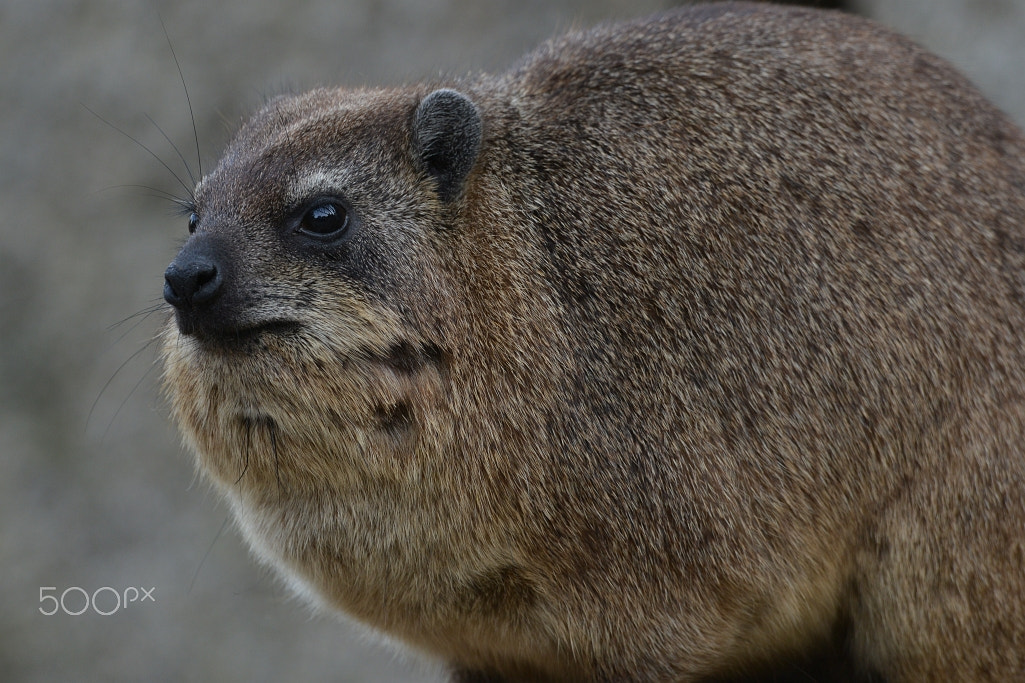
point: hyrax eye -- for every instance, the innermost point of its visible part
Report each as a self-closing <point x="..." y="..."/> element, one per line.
<point x="326" y="219"/>
<point x="193" y="222"/>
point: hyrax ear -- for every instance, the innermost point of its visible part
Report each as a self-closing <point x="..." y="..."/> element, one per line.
<point x="447" y="134"/>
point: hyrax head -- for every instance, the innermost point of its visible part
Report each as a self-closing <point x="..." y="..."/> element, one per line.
<point x="309" y="289"/>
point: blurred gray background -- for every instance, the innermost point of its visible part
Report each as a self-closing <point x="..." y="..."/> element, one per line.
<point x="95" y="490"/>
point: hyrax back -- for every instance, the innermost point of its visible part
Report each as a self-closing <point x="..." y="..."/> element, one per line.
<point x="689" y="349"/>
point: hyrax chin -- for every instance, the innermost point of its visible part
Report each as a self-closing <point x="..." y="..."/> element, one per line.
<point x="690" y="349"/>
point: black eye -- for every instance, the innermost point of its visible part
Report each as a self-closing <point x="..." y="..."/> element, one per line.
<point x="327" y="219"/>
<point x="193" y="222"/>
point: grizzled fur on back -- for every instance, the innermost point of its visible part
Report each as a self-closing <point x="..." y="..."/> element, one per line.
<point x="688" y="349"/>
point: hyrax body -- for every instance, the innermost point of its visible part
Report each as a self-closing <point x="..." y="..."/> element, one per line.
<point x="690" y="349"/>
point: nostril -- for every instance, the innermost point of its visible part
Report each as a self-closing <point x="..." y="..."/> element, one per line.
<point x="208" y="284"/>
<point x="192" y="283"/>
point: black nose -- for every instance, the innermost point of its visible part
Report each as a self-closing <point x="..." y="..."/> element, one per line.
<point x="191" y="282"/>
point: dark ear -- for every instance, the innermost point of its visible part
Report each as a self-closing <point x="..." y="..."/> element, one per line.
<point x="447" y="133"/>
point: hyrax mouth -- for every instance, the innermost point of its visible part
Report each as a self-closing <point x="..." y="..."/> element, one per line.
<point x="234" y="337"/>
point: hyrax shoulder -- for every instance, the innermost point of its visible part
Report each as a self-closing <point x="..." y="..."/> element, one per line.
<point x="688" y="349"/>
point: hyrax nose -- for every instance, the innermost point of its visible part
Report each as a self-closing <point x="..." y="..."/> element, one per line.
<point x="191" y="281"/>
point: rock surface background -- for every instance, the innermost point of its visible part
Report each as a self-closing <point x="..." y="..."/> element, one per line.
<point x="95" y="490"/>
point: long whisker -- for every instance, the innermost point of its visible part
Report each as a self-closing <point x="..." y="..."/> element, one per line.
<point x="173" y="146"/>
<point x="153" y="154"/>
<point x="155" y="305"/>
<point x="130" y="393"/>
<point x="188" y="100"/>
<point x="117" y="372"/>
<point x="182" y="206"/>
<point x="248" y="448"/>
<point x="272" y="429"/>
<point x="220" y="531"/>
<point x="143" y="315"/>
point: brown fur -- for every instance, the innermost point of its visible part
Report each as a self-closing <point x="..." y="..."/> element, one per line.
<point x="711" y="367"/>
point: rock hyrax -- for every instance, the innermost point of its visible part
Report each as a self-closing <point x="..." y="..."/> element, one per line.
<point x="689" y="349"/>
